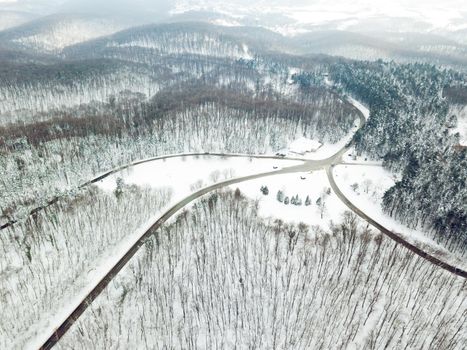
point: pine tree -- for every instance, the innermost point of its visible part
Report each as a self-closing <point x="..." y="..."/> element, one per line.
<point x="264" y="190"/>
<point x="280" y="196"/>
<point x="119" y="188"/>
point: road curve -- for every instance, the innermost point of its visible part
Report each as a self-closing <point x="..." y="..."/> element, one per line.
<point x="308" y="165"/>
<point x="455" y="270"/>
<point x="78" y="311"/>
<point x="137" y="162"/>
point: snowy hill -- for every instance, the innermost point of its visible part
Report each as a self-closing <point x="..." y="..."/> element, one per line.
<point x="9" y="19"/>
<point x="298" y="16"/>
<point x="165" y="39"/>
<point x="53" y="33"/>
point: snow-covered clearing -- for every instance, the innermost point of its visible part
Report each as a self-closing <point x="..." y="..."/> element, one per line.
<point x="183" y="175"/>
<point x="365" y="186"/>
<point x="315" y="185"/>
<point x="351" y="157"/>
<point x="304" y="145"/>
<point x="330" y="149"/>
<point x="189" y="173"/>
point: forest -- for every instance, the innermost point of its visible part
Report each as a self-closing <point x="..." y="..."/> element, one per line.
<point x="219" y="276"/>
<point x="411" y="129"/>
<point x="72" y="113"/>
<point x="66" y="147"/>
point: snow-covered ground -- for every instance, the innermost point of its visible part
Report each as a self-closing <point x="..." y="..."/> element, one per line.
<point x="315" y="185"/>
<point x="351" y="157"/>
<point x="329" y="149"/>
<point x="37" y="335"/>
<point x="301" y="16"/>
<point x="303" y="145"/>
<point x="365" y="186"/>
<point x="183" y="175"/>
<point x="462" y="125"/>
<point x="190" y="173"/>
<point x="68" y="32"/>
<point x="9" y="19"/>
<point x="362" y="108"/>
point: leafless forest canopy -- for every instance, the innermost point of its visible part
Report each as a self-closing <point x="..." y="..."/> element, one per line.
<point x="221" y="277"/>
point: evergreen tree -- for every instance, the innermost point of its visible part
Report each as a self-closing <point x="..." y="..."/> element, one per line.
<point x="119" y="188"/>
<point x="280" y="196"/>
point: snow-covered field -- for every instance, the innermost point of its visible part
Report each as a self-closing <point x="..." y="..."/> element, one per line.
<point x="304" y="145"/>
<point x="187" y="174"/>
<point x="329" y="149"/>
<point x="313" y="185"/>
<point x="365" y="186"/>
<point x="182" y="176"/>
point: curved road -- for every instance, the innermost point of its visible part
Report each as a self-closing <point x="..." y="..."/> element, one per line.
<point x="308" y="165"/>
<point x="434" y="260"/>
<point x="77" y="312"/>
<point x="126" y="166"/>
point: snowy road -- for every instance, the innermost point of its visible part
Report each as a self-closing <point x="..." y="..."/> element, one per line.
<point x="434" y="260"/>
<point x="71" y="319"/>
<point x="307" y="165"/>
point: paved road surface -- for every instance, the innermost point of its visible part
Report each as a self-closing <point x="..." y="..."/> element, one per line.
<point x="120" y="168"/>
<point x="308" y="165"/>
<point x="455" y="270"/>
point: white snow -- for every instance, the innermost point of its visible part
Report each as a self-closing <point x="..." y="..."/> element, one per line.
<point x="363" y="109"/>
<point x="301" y="16"/>
<point x="66" y="33"/>
<point x="304" y="145"/>
<point x="365" y="186"/>
<point x="351" y="157"/>
<point x="185" y="174"/>
<point x="462" y="126"/>
<point x="314" y="185"/>
<point x="45" y="329"/>
<point x="226" y="22"/>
